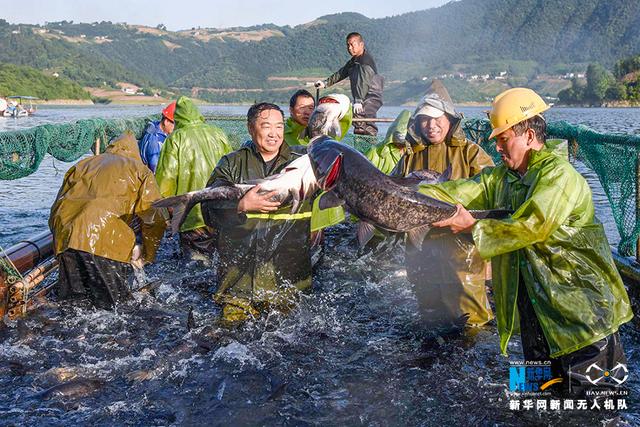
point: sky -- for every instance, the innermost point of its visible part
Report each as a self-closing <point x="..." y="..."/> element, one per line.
<point x="185" y="14"/>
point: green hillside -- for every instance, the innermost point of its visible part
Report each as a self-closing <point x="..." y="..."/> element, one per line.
<point x="527" y="38"/>
<point x="20" y="80"/>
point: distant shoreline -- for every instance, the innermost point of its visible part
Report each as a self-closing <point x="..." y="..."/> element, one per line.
<point x="88" y="102"/>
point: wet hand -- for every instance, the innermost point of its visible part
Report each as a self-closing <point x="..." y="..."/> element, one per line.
<point x="358" y="108"/>
<point x="320" y="84"/>
<point x="136" y="257"/>
<point x="460" y="222"/>
<point x="254" y="202"/>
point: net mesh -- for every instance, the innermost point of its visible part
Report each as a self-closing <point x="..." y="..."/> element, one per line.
<point x="613" y="157"/>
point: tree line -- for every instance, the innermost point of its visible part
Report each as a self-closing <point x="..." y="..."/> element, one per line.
<point x="622" y="83"/>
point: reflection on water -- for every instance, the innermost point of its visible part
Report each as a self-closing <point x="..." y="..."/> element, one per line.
<point x="353" y="353"/>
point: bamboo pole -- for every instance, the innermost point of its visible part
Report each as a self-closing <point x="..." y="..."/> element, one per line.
<point x="24" y="256"/>
<point x="35" y="276"/>
<point x="97" y="148"/>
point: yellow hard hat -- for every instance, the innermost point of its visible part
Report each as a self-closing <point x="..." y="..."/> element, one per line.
<point x="514" y="106"/>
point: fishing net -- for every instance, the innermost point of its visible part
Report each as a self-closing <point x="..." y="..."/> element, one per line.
<point x="614" y="158"/>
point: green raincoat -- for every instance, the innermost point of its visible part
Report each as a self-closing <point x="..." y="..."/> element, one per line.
<point x="264" y="258"/>
<point x="553" y="241"/>
<point x="188" y="157"/>
<point x="386" y="154"/>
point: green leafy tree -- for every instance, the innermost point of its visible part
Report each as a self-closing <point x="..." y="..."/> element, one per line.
<point x="598" y="81"/>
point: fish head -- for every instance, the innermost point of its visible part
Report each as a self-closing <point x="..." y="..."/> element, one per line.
<point x="326" y="161"/>
<point x="325" y="120"/>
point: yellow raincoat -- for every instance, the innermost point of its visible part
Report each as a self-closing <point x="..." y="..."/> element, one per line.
<point x="99" y="198"/>
<point x="448" y="273"/>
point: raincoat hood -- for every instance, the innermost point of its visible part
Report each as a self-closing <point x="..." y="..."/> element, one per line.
<point x="186" y="113"/>
<point x="386" y="154"/>
<point x="436" y="97"/>
<point x="125" y="145"/>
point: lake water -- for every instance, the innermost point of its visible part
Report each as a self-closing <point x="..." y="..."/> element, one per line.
<point x="352" y="353"/>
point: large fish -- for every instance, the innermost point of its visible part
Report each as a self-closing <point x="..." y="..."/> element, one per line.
<point x="294" y="184"/>
<point x="379" y="200"/>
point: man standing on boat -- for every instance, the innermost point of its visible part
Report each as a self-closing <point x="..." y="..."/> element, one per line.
<point x="366" y="84"/>
<point x="154" y="136"/>
<point x="187" y="159"/>
<point x="90" y="221"/>
<point x="551" y="263"/>
<point x="263" y="247"/>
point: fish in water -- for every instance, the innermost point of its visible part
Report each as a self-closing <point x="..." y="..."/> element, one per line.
<point x="72" y="389"/>
<point x="379" y="200"/>
<point x="295" y="183"/>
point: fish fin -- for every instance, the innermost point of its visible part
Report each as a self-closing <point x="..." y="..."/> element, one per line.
<point x="296" y="201"/>
<point x="179" y="215"/>
<point x="491" y="213"/>
<point x="170" y="202"/>
<point x="415" y="236"/>
<point x="446" y="175"/>
<point x="181" y="205"/>
<point x="407" y="181"/>
<point x="191" y="321"/>
<point x="330" y="200"/>
<point x="422" y="176"/>
<point x="365" y="232"/>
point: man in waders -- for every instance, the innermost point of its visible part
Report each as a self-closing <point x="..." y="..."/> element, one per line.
<point x="263" y="247"/>
<point x="447" y="272"/>
<point x="90" y="221"/>
<point x="551" y="263"/>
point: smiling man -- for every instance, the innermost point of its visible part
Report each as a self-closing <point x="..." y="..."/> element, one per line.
<point x="447" y="272"/>
<point x="263" y="247"/>
<point x="551" y="262"/>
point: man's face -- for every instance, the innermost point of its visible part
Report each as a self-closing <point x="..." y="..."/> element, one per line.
<point x="514" y="149"/>
<point x="355" y="46"/>
<point x="167" y="126"/>
<point x="302" y="110"/>
<point x="434" y="129"/>
<point x="267" y="133"/>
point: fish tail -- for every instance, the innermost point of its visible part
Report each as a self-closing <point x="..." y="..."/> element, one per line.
<point x="181" y="205"/>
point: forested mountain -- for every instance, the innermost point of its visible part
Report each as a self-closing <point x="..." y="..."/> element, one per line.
<point x="21" y="80"/>
<point x="548" y="36"/>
